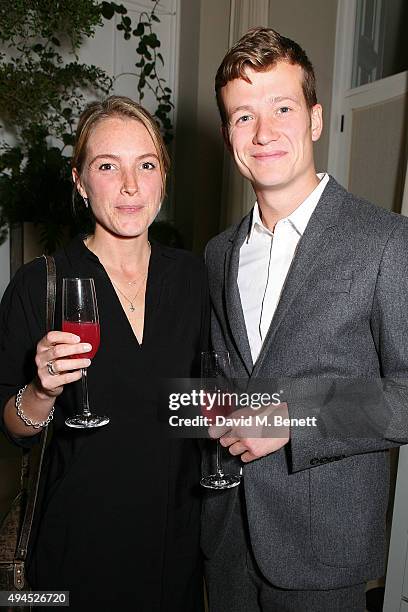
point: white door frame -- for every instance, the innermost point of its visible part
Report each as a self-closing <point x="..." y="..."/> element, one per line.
<point x="343" y="66"/>
<point x="345" y="99"/>
<point x="367" y="95"/>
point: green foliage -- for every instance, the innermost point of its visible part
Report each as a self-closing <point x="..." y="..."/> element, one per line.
<point x="41" y="98"/>
<point x="149" y="57"/>
<point x="40" y="95"/>
<point x="38" y="188"/>
<point x="23" y="20"/>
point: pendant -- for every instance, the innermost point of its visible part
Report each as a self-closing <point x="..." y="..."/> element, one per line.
<point x="132" y="308"/>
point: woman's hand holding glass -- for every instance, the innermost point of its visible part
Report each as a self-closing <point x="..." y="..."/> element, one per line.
<point x="58" y="363"/>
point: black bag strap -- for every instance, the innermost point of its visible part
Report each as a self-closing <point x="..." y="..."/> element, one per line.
<point x="32" y="461"/>
<point x="51" y="290"/>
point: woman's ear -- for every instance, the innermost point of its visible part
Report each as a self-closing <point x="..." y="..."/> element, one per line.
<point x="78" y="183"/>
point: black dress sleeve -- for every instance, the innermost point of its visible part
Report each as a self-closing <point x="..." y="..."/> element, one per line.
<point x="22" y="325"/>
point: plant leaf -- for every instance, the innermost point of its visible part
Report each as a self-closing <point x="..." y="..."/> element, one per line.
<point x="68" y="139"/>
<point x="107" y="10"/>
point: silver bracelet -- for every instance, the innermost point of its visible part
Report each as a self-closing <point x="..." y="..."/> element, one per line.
<point x="24" y="418"/>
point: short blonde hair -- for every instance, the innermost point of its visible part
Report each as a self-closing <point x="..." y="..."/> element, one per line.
<point x="122" y="107"/>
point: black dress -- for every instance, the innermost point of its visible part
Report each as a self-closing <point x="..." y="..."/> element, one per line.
<point x="119" y="522"/>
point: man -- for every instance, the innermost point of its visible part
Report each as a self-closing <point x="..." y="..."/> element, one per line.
<point x="312" y="285"/>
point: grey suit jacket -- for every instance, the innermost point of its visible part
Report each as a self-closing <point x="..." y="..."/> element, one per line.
<point x="316" y="508"/>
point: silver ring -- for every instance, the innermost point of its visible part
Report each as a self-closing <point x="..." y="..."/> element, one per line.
<point x="50" y="368"/>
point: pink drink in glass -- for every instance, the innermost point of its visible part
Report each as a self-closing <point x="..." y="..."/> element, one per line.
<point x="88" y="332"/>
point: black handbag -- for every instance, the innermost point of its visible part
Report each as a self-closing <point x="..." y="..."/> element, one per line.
<point x="15" y="528"/>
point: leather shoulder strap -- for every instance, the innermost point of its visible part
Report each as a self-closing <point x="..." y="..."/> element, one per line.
<point x="51" y="290"/>
<point x="36" y="456"/>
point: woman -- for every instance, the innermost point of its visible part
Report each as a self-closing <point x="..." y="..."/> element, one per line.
<point x="118" y="525"/>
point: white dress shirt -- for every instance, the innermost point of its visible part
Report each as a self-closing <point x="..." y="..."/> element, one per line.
<point x="264" y="261"/>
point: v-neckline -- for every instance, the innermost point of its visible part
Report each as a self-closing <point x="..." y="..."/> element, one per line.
<point x="148" y="301"/>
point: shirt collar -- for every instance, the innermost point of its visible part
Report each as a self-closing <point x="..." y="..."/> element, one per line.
<point x="257" y="221"/>
<point x="299" y="218"/>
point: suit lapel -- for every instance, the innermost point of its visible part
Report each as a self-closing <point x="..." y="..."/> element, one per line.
<point x="235" y="315"/>
<point x="310" y="249"/>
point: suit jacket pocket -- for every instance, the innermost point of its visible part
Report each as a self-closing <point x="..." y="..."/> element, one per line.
<point x="339" y="281"/>
<point x="333" y="285"/>
<point x="348" y="505"/>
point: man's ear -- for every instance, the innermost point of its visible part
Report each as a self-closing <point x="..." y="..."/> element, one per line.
<point x="316" y="121"/>
<point x="78" y="183"/>
<point x="225" y="135"/>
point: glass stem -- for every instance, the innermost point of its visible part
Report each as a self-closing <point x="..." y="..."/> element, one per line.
<point x="218" y="459"/>
<point x="85" y="399"/>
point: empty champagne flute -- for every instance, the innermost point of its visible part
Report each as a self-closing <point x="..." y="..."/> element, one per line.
<point x="216" y="376"/>
<point x="80" y="317"/>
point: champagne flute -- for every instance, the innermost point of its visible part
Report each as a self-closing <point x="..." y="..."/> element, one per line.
<point x="215" y="376"/>
<point x="80" y="317"/>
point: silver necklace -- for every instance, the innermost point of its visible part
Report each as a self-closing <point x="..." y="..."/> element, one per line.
<point x="133" y="282"/>
<point x="131" y="300"/>
<point x="130" y="283"/>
